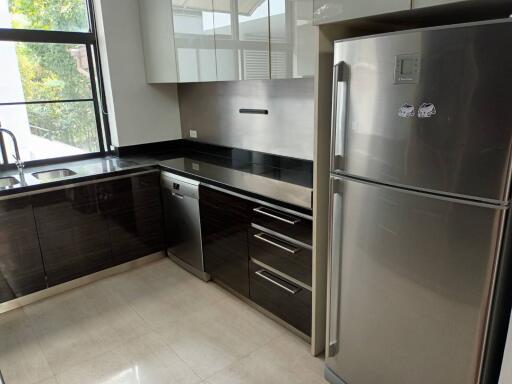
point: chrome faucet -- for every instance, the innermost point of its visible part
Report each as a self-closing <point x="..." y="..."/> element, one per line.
<point x="19" y="163"/>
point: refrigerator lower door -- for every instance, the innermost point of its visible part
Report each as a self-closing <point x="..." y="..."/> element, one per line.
<point x="411" y="279"/>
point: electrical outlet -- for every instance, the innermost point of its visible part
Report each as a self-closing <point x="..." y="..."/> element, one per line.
<point x="195" y="166"/>
<point x="192" y="134"/>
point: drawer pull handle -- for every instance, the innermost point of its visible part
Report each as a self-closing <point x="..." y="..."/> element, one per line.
<point x="277" y="282"/>
<point x="270" y="240"/>
<point x="273" y="214"/>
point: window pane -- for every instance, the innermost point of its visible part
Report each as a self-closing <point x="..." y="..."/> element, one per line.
<point x="43" y="72"/>
<point x="48" y="15"/>
<point x="47" y="131"/>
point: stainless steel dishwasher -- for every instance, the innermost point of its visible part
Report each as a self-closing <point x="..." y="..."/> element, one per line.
<point x="183" y="223"/>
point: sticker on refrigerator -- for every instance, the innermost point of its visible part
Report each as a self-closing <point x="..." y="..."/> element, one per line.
<point x="426" y="110"/>
<point x="406" y="111"/>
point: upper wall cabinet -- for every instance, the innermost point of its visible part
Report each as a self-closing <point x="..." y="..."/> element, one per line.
<point x="242" y="39"/>
<point x="158" y="41"/>
<point x="194" y="40"/>
<point x="209" y="40"/>
<point x="291" y="39"/>
<point x="431" y="3"/>
<point x="327" y="11"/>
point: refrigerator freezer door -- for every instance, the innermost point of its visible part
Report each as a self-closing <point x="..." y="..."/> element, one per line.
<point x="428" y="109"/>
<point x="411" y="277"/>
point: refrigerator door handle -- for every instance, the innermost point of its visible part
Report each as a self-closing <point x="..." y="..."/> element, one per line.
<point x="339" y="111"/>
<point x="335" y="231"/>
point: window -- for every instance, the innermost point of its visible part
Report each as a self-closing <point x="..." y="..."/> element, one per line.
<point x="48" y="79"/>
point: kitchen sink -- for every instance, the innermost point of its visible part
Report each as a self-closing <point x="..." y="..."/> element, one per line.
<point x="53" y="174"/>
<point x="8" y="182"/>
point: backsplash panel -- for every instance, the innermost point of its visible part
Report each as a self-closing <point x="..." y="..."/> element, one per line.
<point x="281" y="122"/>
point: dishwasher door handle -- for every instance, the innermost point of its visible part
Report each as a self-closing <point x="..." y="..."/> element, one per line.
<point x="179" y="196"/>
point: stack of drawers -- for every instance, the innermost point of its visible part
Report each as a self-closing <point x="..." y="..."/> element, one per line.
<point x="281" y="264"/>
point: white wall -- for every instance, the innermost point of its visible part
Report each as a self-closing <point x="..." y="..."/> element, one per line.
<point x="139" y="113"/>
<point x="506" y="368"/>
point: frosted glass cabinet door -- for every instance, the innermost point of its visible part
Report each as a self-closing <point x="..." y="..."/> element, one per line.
<point x="291" y="39"/>
<point x="253" y="39"/>
<point x="194" y="40"/>
<point x="242" y="39"/>
<point x="326" y="11"/>
<point x="226" y="39"/>
<point x="158" y="41"/>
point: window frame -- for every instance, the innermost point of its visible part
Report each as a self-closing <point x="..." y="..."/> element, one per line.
<point x="89" y="40"/>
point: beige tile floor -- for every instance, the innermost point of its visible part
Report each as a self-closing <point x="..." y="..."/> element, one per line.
<point x="156" y="324"/>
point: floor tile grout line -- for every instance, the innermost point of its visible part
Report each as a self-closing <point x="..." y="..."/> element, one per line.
<point x="243" y="357"/>
<point x="38" y="340"/>
<point x="90" y="358"/>
<point x="117" y="334"/>
<point x="184" y="361"/>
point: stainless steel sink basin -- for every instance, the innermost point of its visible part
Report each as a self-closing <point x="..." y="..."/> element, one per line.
<point x="8" y="182"/>
<point x="53" y="174"/>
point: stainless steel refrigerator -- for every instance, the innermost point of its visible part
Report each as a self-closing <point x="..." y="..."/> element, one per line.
<point x="420" y="179"/>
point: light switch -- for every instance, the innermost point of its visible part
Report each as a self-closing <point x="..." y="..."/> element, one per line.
<point x="193" y="134"/>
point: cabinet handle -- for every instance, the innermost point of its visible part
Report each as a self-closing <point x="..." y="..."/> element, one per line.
<point x="254" y="111"/>
<point x="273" y="214"/>
<point x="338" y="133"/>
<point x="277" y="282"/>
<point x="264" y="237"/>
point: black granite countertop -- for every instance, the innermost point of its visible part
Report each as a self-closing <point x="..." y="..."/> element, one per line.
<point x="280" y="179"/>
<point x="84" y="170"/>
<point x="284" y="180"/>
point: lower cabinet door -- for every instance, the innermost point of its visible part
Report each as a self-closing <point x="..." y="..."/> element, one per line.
<point x="21" y="266"/>
<point x="224" y="223"/>
<point x="133" y="209"/>
<point x="284" y="299"/>
<point x="73" y="233"/>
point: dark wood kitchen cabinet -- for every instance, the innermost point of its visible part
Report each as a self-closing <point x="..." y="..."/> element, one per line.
<point x="285" y="299"/>
<point x="21" y="266"/>
<point x="133" y="210"/>
<point x="291" y="258"/>
<point x="73" y="233"/>
<point x="89" y="228"/>
<point x="224" y="223"/>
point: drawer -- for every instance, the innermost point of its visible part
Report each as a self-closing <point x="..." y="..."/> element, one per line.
<point x="285" y="223"/>
<point x="284" y="299"/>
<point x="287" y="257"/>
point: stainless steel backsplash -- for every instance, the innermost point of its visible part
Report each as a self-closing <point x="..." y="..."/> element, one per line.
<point x="212" y="110"/>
